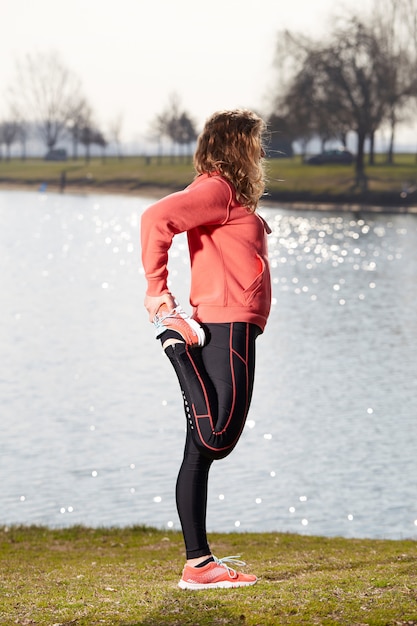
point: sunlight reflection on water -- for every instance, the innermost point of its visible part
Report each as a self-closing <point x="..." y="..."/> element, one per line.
<point x="91" y="418"/>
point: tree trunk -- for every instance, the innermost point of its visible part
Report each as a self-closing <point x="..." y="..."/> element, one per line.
<point x="390" y="153"/>
<point x="372" y="148"/>
<point x="361" y="180"/>
<point x="74" y="148"/>
<point x="343" y="139"/>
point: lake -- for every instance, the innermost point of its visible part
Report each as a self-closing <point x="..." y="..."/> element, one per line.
<point x="91" y="422"/>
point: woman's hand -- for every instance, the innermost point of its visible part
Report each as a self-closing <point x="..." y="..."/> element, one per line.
<point x="152" y="303"/>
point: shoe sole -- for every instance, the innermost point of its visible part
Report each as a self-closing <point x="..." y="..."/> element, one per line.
<point x="195" y="327"/>
<point x="222" y="584"/>
<point x="198" y="331"/>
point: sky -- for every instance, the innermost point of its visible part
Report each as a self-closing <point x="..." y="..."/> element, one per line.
<point x="132" y="55"/>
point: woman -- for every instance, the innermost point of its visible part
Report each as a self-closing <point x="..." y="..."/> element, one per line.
<point x="213" y="351"/>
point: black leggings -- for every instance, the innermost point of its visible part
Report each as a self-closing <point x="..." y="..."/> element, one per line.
<point x="216" y="383"/>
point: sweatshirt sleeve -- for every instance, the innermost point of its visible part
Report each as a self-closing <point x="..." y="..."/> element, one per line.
<point x="205" y="202"/>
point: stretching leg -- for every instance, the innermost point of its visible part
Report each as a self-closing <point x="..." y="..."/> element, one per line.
<point x="217" y="383"/>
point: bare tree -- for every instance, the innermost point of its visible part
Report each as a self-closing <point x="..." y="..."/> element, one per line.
<point x="87" y="139"/>
<point x="23" y="132"/>
<point x="172" y="115"/>
<point x="363" y="76"/>
<point x="357" y="71"/>
<point x="298" y="112"/>
<point x="46" y="92"/>
<point x="176" y="124"/>
<point x="90" y="135"/>
<point x="303" y="97"/>
<point x="115" y="133"/>
<point x="182" y="130"/>
<point x="395" y="26"/>
<point x="158" y="130"/>
<point x="8" y="135"/>
<point x="80" y="116"/>
<point x="101" y="141"/>
<point x="343" y="82"/>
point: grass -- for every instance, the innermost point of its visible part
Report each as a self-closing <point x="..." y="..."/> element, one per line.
<point x="128" y="174"/>
<point x="128" y="577"/>
<point x="289" y="179"/>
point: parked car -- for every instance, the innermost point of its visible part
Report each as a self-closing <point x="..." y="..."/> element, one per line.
<point x="58" y="154"/>
<point x="331" y="156"/>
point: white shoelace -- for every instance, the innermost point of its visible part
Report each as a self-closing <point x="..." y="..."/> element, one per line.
<point x="233" y="560"/>
<point x="158" y="320"/>
<point x="177" y="310"/>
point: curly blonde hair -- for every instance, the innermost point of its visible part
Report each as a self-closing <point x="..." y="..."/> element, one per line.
<point x="232" y="144"/>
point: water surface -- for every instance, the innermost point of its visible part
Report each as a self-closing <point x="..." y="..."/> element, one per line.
<point x="91" y="424"/>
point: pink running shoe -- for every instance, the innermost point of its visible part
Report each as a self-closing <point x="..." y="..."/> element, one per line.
<point x="215" y="575"/>
<point x="178" y="320"/>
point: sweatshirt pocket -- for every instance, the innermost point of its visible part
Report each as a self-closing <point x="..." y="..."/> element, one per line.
<point x="250" y="292"/>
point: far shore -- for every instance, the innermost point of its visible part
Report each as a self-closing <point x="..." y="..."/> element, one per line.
<point x="156" y="192"/>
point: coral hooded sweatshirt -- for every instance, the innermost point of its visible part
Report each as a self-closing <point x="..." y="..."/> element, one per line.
<point x="230" y="279"/>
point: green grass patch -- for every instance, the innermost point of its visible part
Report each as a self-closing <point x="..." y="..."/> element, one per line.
<point x="291" y="175"/>
<point x="127" y="174"/>
<point x="128" y="577"/>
